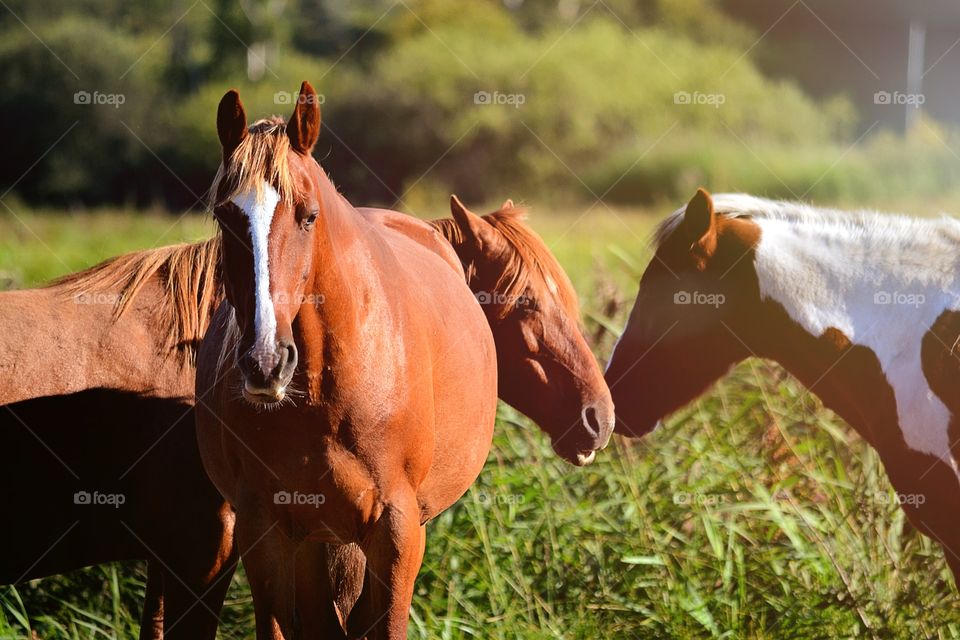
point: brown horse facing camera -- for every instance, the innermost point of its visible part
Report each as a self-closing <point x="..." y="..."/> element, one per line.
<point x="352" y="377"/>
<point x="862" y="308"/>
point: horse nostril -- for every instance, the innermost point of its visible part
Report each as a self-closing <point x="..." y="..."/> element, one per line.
<point x="247" y="364"/>
<point x="591" y="422"/>
<point x="288" y="359"/>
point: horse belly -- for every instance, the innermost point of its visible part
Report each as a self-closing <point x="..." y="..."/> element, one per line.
<point x="465" y="412"/>
<point x="100" y="476"/>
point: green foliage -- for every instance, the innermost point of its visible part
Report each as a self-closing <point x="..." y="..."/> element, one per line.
<point x="590" y="95"/>
<point x="79" y="144"/>
<point x="920" y="165"/>
<point x="572" y="99"/>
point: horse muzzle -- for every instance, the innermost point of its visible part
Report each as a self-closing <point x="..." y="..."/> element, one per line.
<point x="267" y="384"/>
<point x="593" y="434"/>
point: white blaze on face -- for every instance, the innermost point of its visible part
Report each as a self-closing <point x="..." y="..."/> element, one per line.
<point x="259" y="212"/>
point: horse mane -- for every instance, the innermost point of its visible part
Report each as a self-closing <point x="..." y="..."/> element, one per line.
<point x="262" y="155"/>
<point x="530" y="263"/>
<point x="189" y="275"/>
<point x="862" y="222"/>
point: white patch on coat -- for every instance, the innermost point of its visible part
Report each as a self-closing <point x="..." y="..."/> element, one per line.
<point x="882" y="280"/>
<point x="259" y="209"/>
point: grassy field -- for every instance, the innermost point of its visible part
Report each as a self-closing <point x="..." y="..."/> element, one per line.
<point x="753" y="514"/>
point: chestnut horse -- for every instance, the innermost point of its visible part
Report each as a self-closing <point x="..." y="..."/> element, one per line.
<point x="862" y="308"/>
<point x="97" y="383"/>
<point x="353" y="378"/>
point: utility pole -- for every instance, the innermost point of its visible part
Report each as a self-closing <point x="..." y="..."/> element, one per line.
<point x="915" y="51"/>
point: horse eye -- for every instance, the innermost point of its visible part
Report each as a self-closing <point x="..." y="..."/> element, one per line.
<point x="528" y="305"/>
<point x="310" y="219"/>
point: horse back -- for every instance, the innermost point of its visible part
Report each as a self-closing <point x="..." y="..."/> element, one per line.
<point x="417" y="230"/>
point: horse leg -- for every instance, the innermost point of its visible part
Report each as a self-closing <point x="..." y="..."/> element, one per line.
<point x="315" y="588"/>
<point x="192" y="603"/>
<point x="198" y="560"/>
<point x="346" y="566"/>
<point x="151" y="620"/>
<point x="394" y="550"/>
<point x="269" y="559"/>
<point x="929" y="492"/>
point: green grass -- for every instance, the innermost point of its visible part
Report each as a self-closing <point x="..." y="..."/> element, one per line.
<point x="753" y="514"/>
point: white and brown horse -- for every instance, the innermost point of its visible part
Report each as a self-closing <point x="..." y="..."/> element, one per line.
<point x="862" y="308"/>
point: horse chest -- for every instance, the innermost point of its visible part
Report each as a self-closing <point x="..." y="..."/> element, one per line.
<point x="320" y="490"/>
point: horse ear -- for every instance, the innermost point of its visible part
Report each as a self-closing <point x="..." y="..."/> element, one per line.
<point x="700" y="224"/>
<point x="475" y="230"/>
<point x="507" y="204"/>
<point x="303" y="128"/>
<point x="231" y="123"/>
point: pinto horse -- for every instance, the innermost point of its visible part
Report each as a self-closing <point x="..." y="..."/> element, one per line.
<point x="353" y="378"/>
<point x="97" y="387"/>
<point x="862" y="308"/>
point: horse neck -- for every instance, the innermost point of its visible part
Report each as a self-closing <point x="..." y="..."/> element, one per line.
<point x="448" y="229"/>
<point x="351" y="275"/>
<point x="850" y="308"/>
<point x="344" y="241"/>
<point x="57" y="344"/>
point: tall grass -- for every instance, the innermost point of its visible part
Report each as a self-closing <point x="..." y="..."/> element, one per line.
<point x="754" y="513"/>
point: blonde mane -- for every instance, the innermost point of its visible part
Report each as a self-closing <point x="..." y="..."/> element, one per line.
<point x="261" y="156"/>
<point x="530" y="264"/>
<point x="189" y="276"/>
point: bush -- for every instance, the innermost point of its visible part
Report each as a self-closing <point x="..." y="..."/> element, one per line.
<point x="97" y="157"/>
<point x="569" y="101"/>
<point x="883" y="168"/>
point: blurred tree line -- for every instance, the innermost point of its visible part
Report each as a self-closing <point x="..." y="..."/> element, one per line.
<point x="562" y="98"/>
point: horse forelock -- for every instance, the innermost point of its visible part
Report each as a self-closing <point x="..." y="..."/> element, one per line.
<point x="262" y="158"/>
